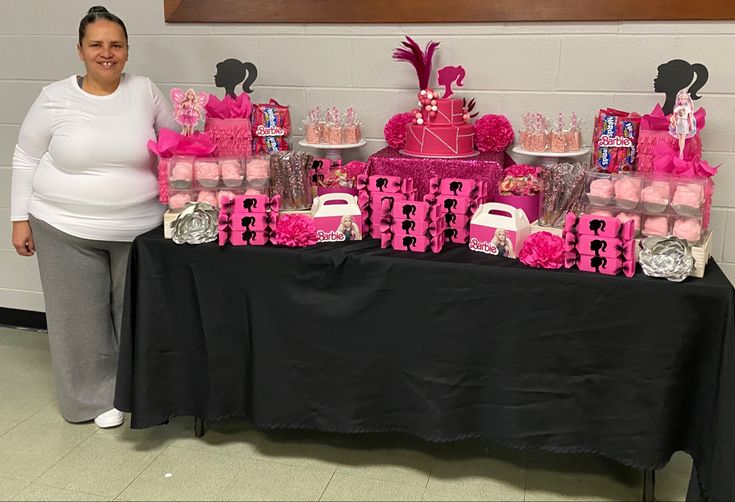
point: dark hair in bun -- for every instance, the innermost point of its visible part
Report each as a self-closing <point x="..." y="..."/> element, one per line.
<point x="95" y="14"/>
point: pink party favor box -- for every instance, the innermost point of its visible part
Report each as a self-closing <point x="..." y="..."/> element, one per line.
<point x="337" y="218"/>
<point x="498" y="229"/>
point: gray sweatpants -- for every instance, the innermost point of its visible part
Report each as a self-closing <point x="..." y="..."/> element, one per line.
<point x="83" y="284"/>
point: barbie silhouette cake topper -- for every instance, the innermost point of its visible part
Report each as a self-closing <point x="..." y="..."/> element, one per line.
<point x="450" y="75"/>
<point x="188" y="108"/>
<point x="233" y="72"/>
<point x="676" y="75"/>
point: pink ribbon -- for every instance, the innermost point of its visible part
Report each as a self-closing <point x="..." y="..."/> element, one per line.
<point x="666" y="159"/>
<point x="274" y="204"/>
<point x="363" y="199"/>
<point x="434" y="185"/>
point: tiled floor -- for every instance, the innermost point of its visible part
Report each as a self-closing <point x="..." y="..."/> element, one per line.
<point x="44" y="458"/>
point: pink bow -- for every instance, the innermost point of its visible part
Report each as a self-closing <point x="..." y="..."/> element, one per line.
<point x="361" y="182"/>
<point x="434" y="185"/>
<point x="385" y="240"/>
<point x="570" y="259"/>
<point x="386" y="223"/>
<point x="437" y="242"/>
<point x="223" y="218"/>
<point x="274" y="204"/>
<point x="223" y="236"/>
<point x="363" y="199"/>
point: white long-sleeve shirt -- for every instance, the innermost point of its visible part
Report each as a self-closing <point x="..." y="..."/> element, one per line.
<point x="82" y="165"/>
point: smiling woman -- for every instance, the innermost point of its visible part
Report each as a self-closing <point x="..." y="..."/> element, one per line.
<point x="83" y="188"/>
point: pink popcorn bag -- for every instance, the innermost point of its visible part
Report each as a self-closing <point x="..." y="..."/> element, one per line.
<point x="498" y="229"/>
<point x="337" y="218"/>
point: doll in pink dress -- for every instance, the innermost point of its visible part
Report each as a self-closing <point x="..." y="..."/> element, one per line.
<point x="188" y="108"/>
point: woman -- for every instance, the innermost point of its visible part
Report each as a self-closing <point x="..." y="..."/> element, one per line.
<point x="83" y="187"/>
<point x="503" y="244"/>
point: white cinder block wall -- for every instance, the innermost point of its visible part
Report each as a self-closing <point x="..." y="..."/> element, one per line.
<point x="512" y="68"/>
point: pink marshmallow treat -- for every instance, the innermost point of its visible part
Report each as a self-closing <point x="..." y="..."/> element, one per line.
<point x="627" y="192"/>
<point x="601" y="191"/>
<point x="623" y="217"/>
<point x="687" y="229"/>
<point x="229" y="194"/>
<point x="656" y="225"/>
<point x="687" y="199"/>
<point x="178" y="201"/>
<point x="656" y="196"/>
<point x="206" y="172"/>
<point x="231" y="172"/>
<point x="208" y="196"/>
<point x="257" y="168"/>
<point x="181" y="174"/>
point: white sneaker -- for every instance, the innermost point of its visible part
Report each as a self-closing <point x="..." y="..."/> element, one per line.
<point x="109" y="419"/>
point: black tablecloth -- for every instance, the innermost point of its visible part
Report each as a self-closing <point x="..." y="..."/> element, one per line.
<point x="350" y="338"/>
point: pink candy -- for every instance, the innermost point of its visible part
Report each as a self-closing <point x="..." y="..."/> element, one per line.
<point x="181" y="171"/>
<point x="206" y="170"/>
<point x="628" y="190"/>
<point x="257" y="168"/>
<point x="601" y="188"/>
<point x="687" y="195"/>
<point x="207" y="196"/>
<point x="230" y="169"/>
<point x="656" y="225"/>
<point x="178" y="201"/>
<point x="623" y="217"/>
<point x="687" y="229"/>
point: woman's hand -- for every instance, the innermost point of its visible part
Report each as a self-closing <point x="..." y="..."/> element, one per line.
<point x="23" y="238"/>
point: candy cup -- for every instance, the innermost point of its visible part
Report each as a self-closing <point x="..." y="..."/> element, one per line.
<point x="206" y="172"/>
<point x="181" y="174"/>
<point x="231" y="172"/>
<point x="687" y="199"/>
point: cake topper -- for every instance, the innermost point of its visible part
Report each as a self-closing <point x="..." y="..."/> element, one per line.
<point x="188" y="108"/>
<point x="683" y="123"/>
<point x="421" y="60"/>
<point x="448" y="75"/>
<point x="676" y="75"/>
<point x="232" y="72"/>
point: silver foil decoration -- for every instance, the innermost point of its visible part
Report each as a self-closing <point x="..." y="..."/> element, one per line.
<point x="196" y="224"/>
<point x="666" y="257"/>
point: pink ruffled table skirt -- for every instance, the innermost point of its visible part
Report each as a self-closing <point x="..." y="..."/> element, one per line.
<point x="486" y="166"/>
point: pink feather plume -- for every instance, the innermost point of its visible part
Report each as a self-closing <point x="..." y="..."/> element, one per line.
<point x="421" y="60"/>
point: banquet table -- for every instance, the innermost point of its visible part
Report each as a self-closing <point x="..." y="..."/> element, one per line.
<point x="352" y="338"/>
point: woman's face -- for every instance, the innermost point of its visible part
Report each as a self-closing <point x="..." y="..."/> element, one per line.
<point x="104" y="51"/>
<point x="347" y="220"/>
<point x="501" y="235"/>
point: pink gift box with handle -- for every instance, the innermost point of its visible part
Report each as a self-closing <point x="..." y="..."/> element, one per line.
<point x="337" y="218"/>
<point x="498" y="229"/>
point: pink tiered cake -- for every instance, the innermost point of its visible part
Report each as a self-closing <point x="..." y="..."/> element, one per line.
<point x="446" y="134"/>
<point x="439" y="126"/>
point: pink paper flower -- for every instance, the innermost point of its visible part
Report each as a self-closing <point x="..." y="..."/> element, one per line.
<point x="296" y="230"/>
<point x="542" y="250"/>
<point x="493" y="133"/>
<point x="395" y="130"/>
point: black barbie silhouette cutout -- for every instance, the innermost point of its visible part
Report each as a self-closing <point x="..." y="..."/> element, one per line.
<point x="450" y="218"/>
<point x="409" y="210"/>
<point x="596" y="225"/>
<point x="317" y="177"/>
<point x="450" y="204"/>
<point x="389" y="199"/>
<point x="454" y="186"/>
<point x="597" y="245"/>
<point x="408" y="225"/>
<point x="247" y="221"/>
<point x="409" y="241"/>
<point x="597" y="262"/>
<point x="676" y="75"/>
<point x="250" y="204"/>
<point x="247" y="236"/>
<point x="231" y="72"/>
<point x="450" y="233"/>
<point x="381" y="183"/>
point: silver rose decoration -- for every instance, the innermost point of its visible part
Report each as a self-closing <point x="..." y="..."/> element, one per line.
<point x="666" y="257"/>
<point x="196" y="224"/>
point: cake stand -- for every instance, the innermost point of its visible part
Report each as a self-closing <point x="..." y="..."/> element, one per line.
<point x="333" y="152"/>
<point x="550" y="159"/>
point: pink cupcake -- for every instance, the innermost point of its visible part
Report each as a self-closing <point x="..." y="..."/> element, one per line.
<point x="178" y="201"/>
<point x="257" y="168"/>
<point x="208" y="196"/>
<point x="656" y="196"/>
<point x="627" y="192"/>
<point x="225" y="194"/>
<point x="206" y="172"/>
<point x="687" y="229"/>
<point x="231" y="172"/>
<point x="687" y="199"/>
<point x="601" y="191"/>
<point x="181" y="174"/>
<point x="623" y="217"/>
<point x="656" y="225"/>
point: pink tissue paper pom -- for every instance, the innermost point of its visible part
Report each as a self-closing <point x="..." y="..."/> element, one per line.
<point x="395" y="130"/>
<point x="355" y="168"/>
<point x="296" y="231"/>
<point x="542" y="250"/>
<point x="493" y="133"/>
